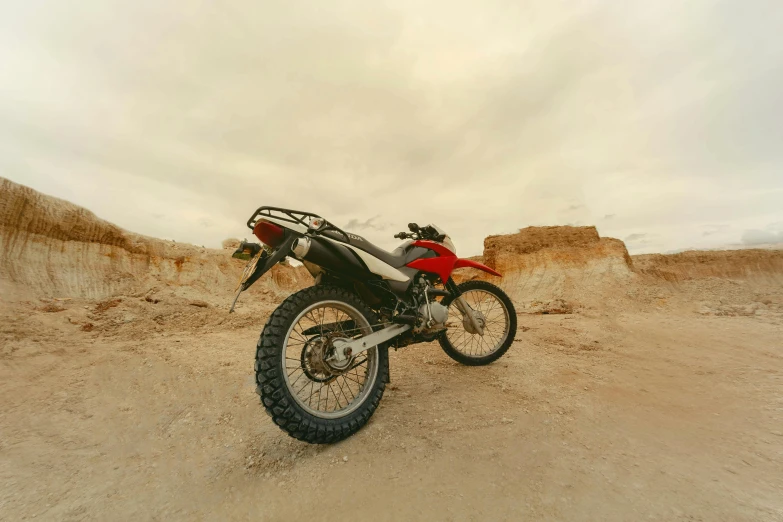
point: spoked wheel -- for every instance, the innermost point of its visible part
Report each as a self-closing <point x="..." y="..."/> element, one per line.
<point x="318" y="383"/>
<point x="303" y="387"/>
<point x="495" y="313"/>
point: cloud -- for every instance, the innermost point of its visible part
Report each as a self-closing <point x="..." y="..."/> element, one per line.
<point x="368" y="109"/>
<point x="715" y="229"/>
<point x="369" y="224"/>
<point x="760" y="237"/>
<point x="635" y="237"/>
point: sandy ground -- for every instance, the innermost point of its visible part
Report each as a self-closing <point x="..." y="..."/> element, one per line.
<point x="641" y="415"/>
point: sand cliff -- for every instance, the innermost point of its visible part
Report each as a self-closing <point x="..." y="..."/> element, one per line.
<point x="50" y="247"/>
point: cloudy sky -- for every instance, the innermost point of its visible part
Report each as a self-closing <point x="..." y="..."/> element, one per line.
<point x="659" y="122"/>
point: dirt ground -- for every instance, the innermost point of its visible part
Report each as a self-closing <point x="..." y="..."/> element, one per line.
<point x="126" y="390"/>
<point x="661" y="414"/>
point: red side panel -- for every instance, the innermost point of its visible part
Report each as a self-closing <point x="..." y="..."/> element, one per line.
<point x="436" y="265"/>
<point x="432" y="245"/>
<point x="467" y="263"/>
<point x="441" y="265"/>
<point x="445" y="263"/>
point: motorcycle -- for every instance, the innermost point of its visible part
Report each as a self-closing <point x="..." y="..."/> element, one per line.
<point x="322" y="361"/>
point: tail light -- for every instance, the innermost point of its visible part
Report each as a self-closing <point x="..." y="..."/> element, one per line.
<point x="269" y="233"/>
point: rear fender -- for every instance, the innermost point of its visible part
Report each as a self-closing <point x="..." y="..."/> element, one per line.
<point x="266" y="263"/>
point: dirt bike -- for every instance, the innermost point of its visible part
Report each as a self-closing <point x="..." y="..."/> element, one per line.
<point x="322" y="361"/>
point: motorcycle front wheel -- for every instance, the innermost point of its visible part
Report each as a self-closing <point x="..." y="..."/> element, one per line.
<point x="497" y="316"/>
<point x="307" y="393"/>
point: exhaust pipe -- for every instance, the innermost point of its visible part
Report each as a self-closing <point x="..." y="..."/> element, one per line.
<point x="327" y="255"/>
<point x="301" y="247"/>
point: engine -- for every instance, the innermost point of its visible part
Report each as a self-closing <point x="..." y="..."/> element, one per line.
<point x="420" y="310"/>
<point x="433" y="316"/>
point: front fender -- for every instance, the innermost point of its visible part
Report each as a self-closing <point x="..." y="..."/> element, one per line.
<point x="467" y="263"/>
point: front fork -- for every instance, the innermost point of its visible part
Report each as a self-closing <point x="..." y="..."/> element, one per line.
<point x="464" y="307"/>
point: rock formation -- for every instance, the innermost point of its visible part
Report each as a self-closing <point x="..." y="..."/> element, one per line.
<point x="53" y="248"/>
<point x="727" y="264"/>
<point x="548" y="268"/>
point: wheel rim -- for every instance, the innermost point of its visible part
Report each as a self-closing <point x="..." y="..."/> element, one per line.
<point x="496" y="325"/>
<point x="321" y="387"/>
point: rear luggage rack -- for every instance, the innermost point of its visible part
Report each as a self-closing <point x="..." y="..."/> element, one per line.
<point x="292" y="216"/>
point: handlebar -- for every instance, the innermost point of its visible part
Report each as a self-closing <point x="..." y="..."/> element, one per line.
<point x="418" y="232"/>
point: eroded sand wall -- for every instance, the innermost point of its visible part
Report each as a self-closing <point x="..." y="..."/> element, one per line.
<point x="50" y="247"/>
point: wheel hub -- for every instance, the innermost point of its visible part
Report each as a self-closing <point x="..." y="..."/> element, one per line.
<point x="468" y="325"/>
<point x="335" y="366"/>
<point x="318" y="360"/>
<point x="312" y="361"/>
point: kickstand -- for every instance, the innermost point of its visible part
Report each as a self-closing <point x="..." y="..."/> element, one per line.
<point x="234" y="303"/>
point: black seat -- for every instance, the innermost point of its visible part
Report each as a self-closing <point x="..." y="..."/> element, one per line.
<point x="396" y="258"/>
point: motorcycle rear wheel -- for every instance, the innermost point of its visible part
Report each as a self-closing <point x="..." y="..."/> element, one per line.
<point x="304" y="393"/>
